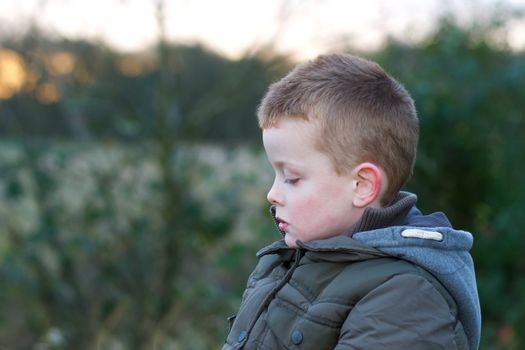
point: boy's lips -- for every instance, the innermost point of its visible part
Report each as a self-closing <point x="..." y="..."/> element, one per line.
<point x="283" y="225"/>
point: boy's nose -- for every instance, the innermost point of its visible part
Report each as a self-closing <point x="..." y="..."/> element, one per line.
<point x="273" y="195"/>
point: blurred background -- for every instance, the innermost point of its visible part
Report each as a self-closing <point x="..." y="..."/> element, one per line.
<point x="132" y="178"/>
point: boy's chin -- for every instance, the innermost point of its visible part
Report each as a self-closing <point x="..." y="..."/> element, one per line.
<point x="290" y="241"/>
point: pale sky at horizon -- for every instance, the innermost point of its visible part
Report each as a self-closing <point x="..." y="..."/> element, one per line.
<point x="233" y="27"/>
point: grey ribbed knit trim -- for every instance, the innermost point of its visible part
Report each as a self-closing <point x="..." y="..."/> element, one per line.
<point x="394" y="214"/>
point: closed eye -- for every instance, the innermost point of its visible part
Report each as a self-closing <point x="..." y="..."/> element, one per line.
<point x="291" y="181"/>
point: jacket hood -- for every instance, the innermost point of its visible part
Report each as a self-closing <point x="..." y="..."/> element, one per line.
<point x="430" y="242"/>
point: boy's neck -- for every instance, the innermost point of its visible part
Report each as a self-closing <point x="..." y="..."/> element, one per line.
<point x="392" y="215"/>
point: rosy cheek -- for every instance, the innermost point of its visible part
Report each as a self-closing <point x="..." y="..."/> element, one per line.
<point x="305" y="207"/>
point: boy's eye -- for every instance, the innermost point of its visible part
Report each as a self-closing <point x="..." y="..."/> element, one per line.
<point x="291" y="181"/>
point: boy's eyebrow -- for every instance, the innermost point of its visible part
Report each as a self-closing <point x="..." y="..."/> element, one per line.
<point x="282" y="164"/>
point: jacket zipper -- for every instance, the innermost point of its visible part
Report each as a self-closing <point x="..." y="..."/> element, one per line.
<point x="299" y="253"/>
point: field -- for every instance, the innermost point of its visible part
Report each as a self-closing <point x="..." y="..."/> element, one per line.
<point x="89" y="259"/>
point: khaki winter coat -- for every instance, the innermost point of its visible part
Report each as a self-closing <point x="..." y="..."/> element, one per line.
<point x="341" y="294"/>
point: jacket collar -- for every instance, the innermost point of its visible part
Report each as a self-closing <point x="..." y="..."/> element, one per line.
<point x="335" y="249"/>
<point x="391" y="215"/>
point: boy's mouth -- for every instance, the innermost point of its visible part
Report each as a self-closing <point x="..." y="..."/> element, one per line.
<point x="283" y="225"/>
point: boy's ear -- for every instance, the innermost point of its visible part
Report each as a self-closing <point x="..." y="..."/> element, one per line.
<point x="367" y="181"/>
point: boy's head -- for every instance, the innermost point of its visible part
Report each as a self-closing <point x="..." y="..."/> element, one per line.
<point x="364" y="115"/>
<point x="353" y="114"/>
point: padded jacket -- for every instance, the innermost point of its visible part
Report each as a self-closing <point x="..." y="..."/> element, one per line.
<point x="350" y="292"/>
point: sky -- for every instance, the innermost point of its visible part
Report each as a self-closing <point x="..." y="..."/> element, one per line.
<point x="301" y="28"/>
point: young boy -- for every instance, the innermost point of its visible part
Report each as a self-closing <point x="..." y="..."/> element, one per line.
<point x="359" y="266"/>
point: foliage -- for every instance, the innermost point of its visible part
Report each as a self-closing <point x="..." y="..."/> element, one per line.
<point x="122" y="228"/>
<point x="118" y="249"/>
<point x="88" y="257"/>
<point x="83" y="91"/>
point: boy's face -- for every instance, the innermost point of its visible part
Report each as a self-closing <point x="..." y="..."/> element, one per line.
<point x="312" y="201"/>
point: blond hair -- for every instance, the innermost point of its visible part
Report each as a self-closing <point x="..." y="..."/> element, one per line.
<point x="365" y="115"/>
